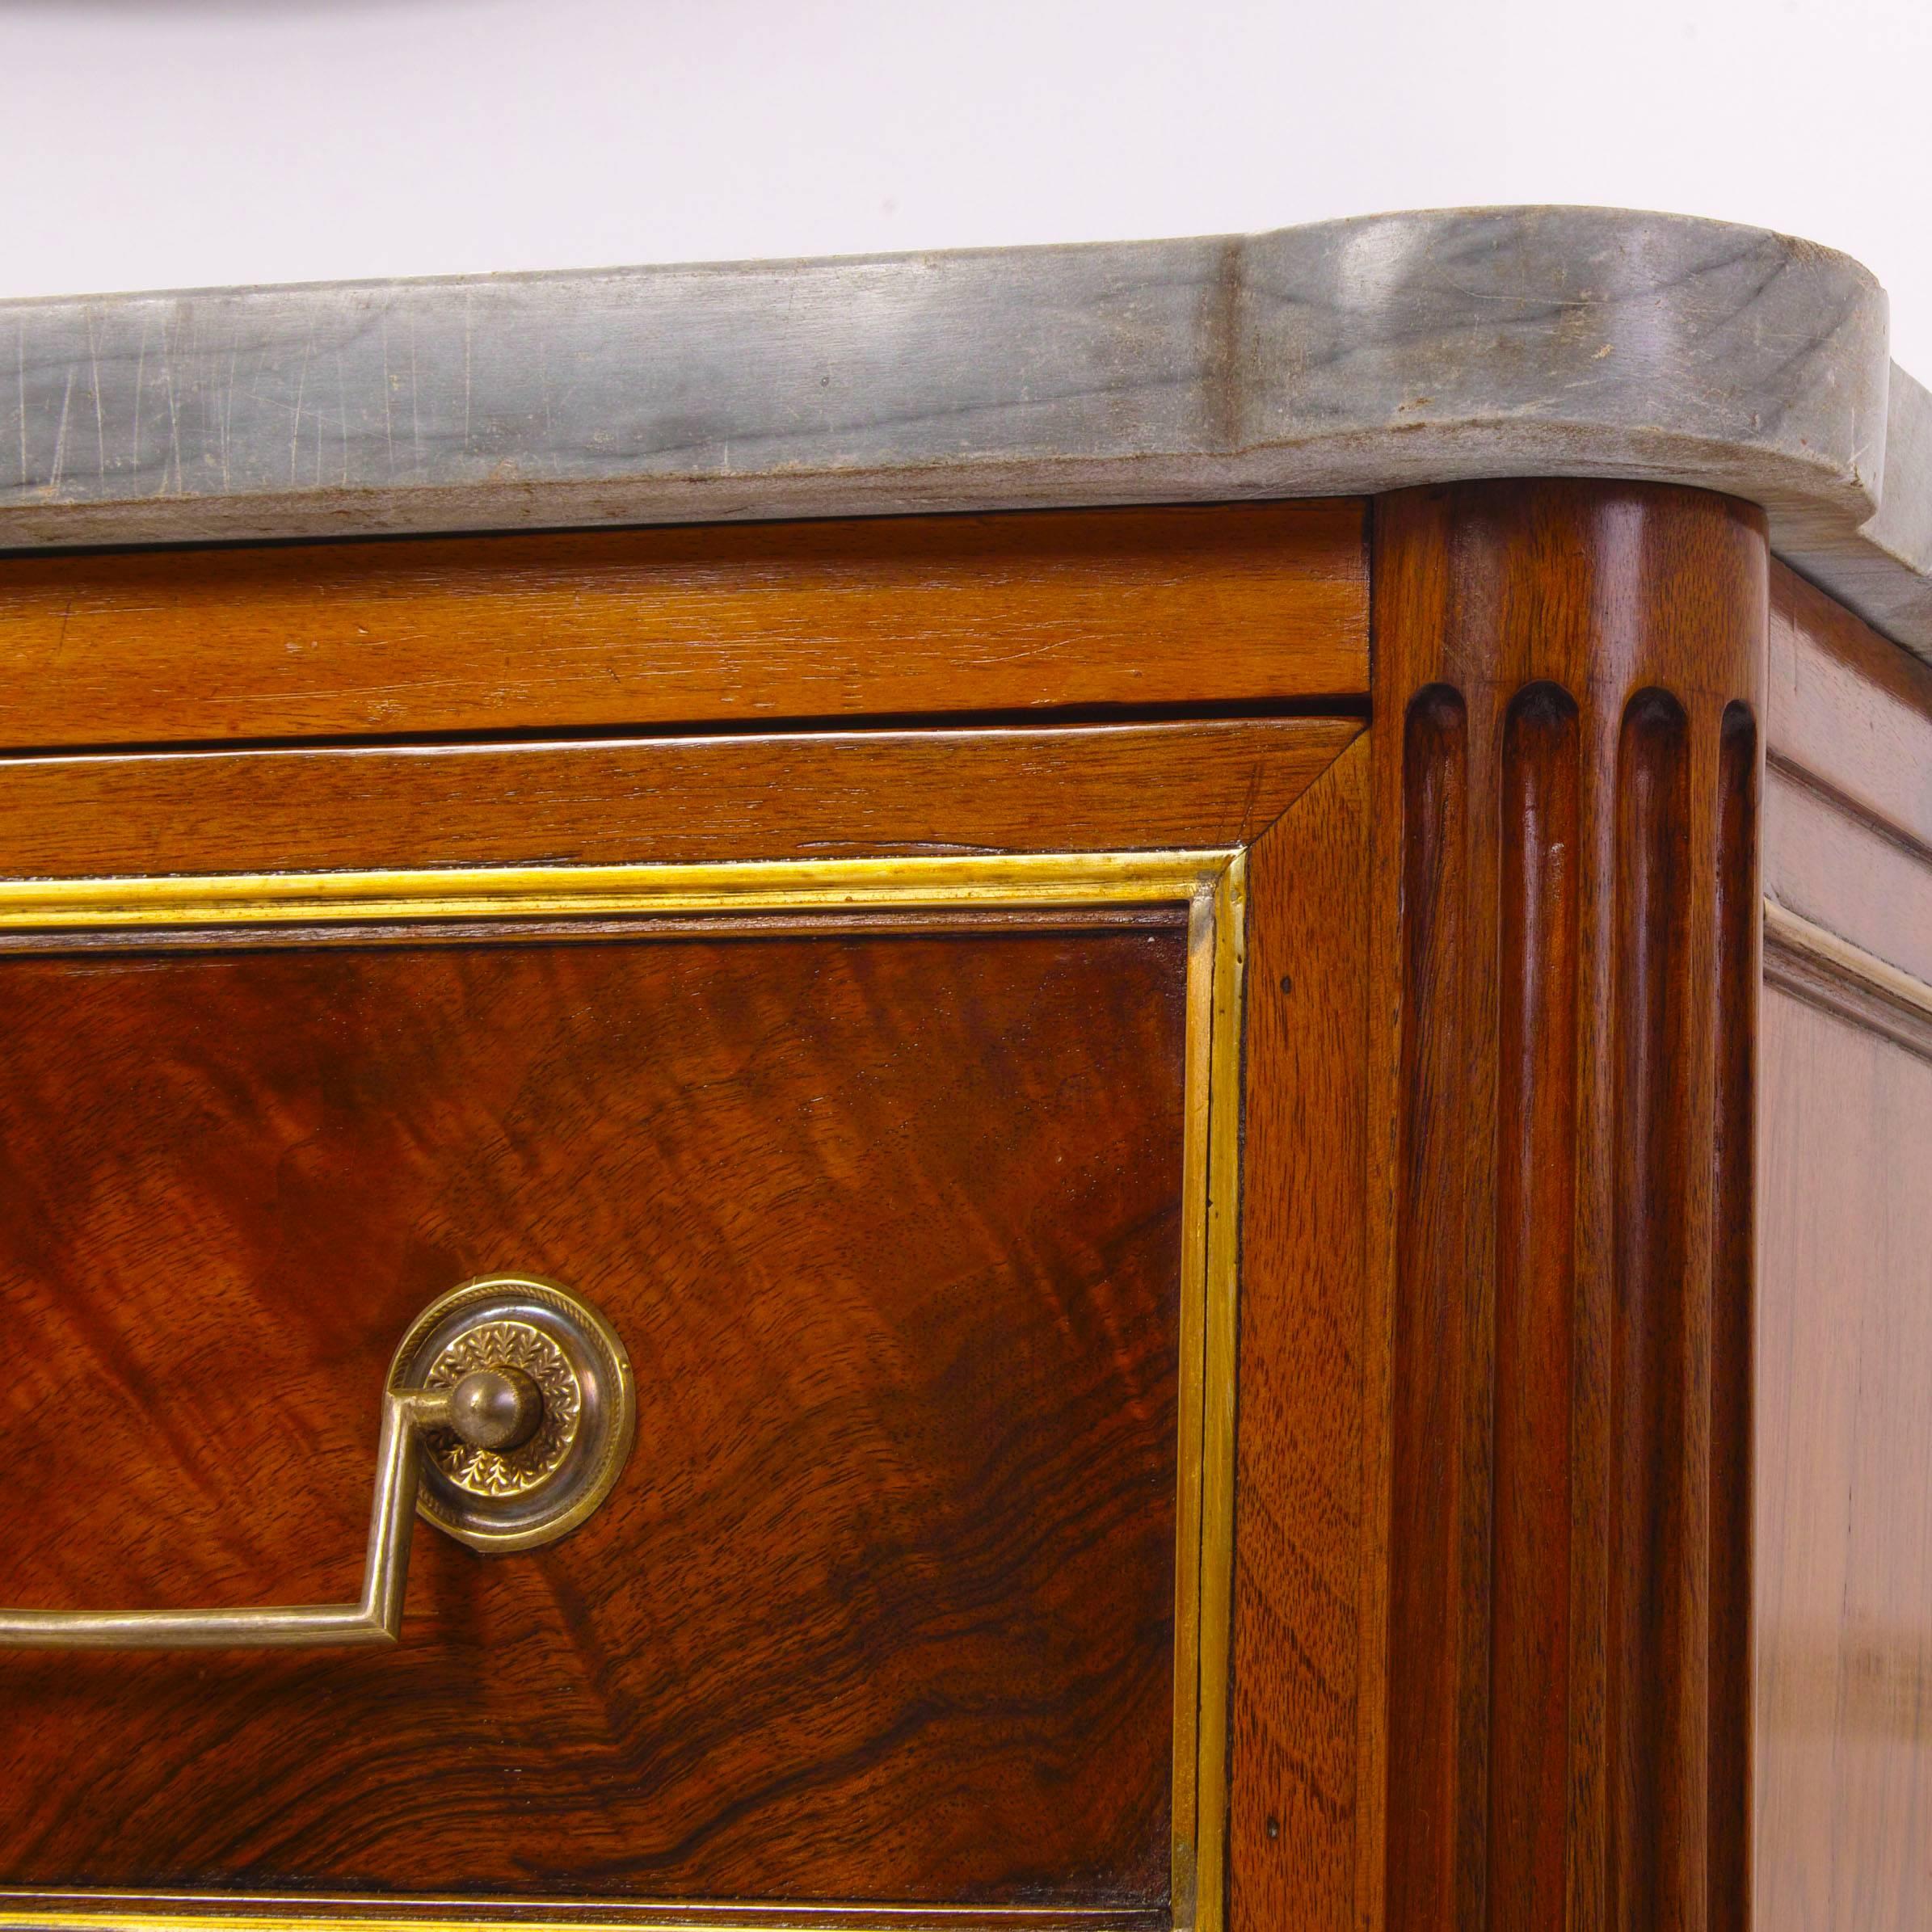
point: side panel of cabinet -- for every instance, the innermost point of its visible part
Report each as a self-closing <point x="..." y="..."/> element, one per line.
<point x="1844" y="1515"/>
<point x="1845" y="1458"/>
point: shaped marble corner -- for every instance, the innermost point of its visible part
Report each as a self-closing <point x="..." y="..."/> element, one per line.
<point x="1887" y="574"/>
<point x="1574" y="342"/>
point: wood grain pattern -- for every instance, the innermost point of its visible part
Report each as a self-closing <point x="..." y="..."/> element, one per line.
<point x="883" y="1608"/>
<point x="1659" y="1448"/>
<point x="1849" y="806"/>
<point x="802" y="795"/>
<point x="1566" y="806"/>
<point x="1843" y="1817"/>
<point x="1848" y="710"/>
<point x="1832" y="867"/>
<point x="1733" y="1326"/>
<point x="1844" y="1607"/>
<point x="1535" y="1316"/>
<point x="1224" y="604"/>
<point x="1437" y="1596"/>
<point x="1308" y="1635"/>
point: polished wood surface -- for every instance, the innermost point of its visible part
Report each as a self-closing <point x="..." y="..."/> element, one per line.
<point x="748" y="624"/>
<point x="883" y="1609"/>
<point x="820" y="794"/>
<point x="1850" y="711"/>
<point x="1844" y="1505"/>
<point x="1568" y="683"/>
<point x="1845" y="1460"/>
<point x="1572" y="1587"/>
<point x="1849" y="804"/>
<point x="1307" y="1711"/>
<point x="1823" y="863"/>
<point x="873" y="1622"/>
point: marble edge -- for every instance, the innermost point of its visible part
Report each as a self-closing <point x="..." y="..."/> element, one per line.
<point x="1341" y="357"/>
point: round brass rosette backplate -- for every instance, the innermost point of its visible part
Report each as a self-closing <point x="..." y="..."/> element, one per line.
<point x="540" y="1332"/>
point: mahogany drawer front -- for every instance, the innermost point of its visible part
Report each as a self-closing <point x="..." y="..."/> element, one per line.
<point x="1238" y="604"/>
<point x="890" y="1226"/>
<point x="907" y="1176"/>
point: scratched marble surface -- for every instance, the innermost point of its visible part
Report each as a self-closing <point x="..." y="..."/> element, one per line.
<point x="1349" y="355"/>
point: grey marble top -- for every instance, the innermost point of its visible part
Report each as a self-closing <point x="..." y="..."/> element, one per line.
<point x="1347" y="356"/>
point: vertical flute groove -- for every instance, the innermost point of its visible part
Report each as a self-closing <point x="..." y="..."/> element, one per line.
<point x="1732" y="1278"/>
<point x="1428" y="1391"/>
<point x="1535" y="1290"/>
<point x="1649" y="1646"/>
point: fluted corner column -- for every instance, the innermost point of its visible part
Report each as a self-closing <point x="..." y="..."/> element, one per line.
<point x="1567" y="692"/>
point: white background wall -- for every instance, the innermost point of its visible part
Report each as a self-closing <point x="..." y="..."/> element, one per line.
<point x="168" y="143"/>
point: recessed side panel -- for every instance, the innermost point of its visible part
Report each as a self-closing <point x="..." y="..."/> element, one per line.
<point x="1843" y="1437"/>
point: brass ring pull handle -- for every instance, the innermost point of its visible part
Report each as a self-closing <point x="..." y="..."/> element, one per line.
<point x="509" y="1415"/>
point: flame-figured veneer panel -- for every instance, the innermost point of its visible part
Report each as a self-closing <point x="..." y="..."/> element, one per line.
<point x="881" y="1611"/>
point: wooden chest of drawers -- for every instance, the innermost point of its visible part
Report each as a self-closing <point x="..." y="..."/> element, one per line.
<point x="1058" y="1219"/>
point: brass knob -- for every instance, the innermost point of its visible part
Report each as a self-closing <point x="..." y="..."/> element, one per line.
<point x="496" y="1409"/>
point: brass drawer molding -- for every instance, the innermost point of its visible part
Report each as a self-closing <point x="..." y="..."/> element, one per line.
<point x="469" y="1489"/>
<point x="509" y="1415"/>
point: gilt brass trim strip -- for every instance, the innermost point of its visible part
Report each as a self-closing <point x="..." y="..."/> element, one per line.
<point x="1209" y="882"/>
<point x="1221" y="1238"/>
<point x="142" y="1913"/>
<point x="1184" y="1879"/>
<point x="252" y="1908"/>
<point x="456" y="1915"/>
<point x="1045" y="880"/>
